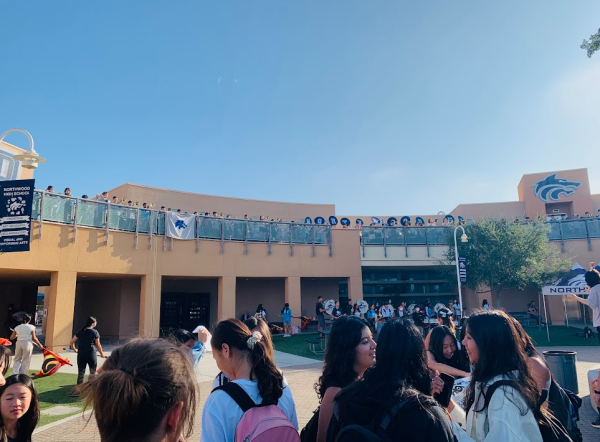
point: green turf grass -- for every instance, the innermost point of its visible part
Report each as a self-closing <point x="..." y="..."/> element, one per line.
<point x="560" y="336"/>
<point x="296" y="345"/>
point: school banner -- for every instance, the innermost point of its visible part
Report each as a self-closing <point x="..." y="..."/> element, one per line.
<point x="16" y="201"/>
<point x="462" y="269"/>
<point x="181" y="225"/>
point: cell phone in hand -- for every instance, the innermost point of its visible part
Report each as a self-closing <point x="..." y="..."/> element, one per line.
<point x="444" y="397"/>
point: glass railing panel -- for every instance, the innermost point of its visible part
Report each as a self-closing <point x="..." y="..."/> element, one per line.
<point x="258" y="231"/>
<point x="436" y="235"/>
<point x="59" y="209"/>
<point x="320" y="234"/>
<point x="209" y="228"/>
<point x="144" y="222"/>
<point x="234" y="230"/>
<point x="593" y="226"/>
<point x="160" y="223"/>
<point x="393" y="235"/>
<point x="91" y="213"/>
<point x="280" y="232"/>
<point x="372" y="235"/>
<point x="574" y="230"/>
<point x="36" y="205"/>
<point x="415" y="235"/>
<point x="553" y="230"/>
<point x="122" y="218"/>
<point x="302" y="233"/>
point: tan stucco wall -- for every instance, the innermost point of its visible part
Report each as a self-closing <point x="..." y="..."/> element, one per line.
<point x="509" y="210"/>
<point x="237" y="207"/>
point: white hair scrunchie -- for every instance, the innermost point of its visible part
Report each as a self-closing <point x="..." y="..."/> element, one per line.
<point x="253" y="339"/>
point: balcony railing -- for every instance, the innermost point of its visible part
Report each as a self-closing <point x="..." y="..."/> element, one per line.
<point x="115" y="217"/>
<point x="587" y="228"/>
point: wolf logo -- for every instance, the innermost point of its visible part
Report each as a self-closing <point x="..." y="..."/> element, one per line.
<point x="16" y="206"/>
<point x="179" y="224"/>
<point x="550" y="188"/>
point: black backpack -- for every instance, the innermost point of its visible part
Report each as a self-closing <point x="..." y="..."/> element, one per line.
<point x="375" y="431"/>
<point x="551" y="428"/>
<point x="564" y="406"/>
<point x="309" y="432"/>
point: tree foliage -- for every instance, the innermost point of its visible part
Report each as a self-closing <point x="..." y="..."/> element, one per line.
<point x="501" y="254"/>
<point x="591" y="45"/>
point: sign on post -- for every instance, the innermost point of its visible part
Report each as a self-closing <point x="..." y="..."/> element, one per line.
<point x="16" y="201"/>
<point x="462" y="269"/>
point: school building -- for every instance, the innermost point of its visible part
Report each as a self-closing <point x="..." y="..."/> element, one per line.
<point x="117" y="263"/>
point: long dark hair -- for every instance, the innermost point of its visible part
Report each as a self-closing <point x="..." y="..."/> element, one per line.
<point x="340" y="354"/>
<point x="236" y="334"/>
<point x="436" y="346"/>
<point x="401" y="367"/>
<point x="259" y="324"/>
<point x="89" y="322"/>
<point x="501" y="352"/>
<point x="446" y="315"/>
<point x="138" y="384"/>
<point x="30" y="419"/>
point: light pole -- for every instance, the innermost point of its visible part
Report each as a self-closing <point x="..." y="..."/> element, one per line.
<point x="463" y="238"/>
<point x="29" y="159"/>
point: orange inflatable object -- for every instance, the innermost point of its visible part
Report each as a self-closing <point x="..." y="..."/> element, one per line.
<point x="5" y="342"/>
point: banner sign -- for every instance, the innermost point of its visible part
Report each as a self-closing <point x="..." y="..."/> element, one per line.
<point x="564" y="290"/>
<point x="307" y="220"/>
<point x="319" y="220"/>
<point x="180" y="225"/>
<point x="462" y="269"/>
<point x="333" y="220"/>
<point x="16" y="204"/>
<point x="345" y="222"/>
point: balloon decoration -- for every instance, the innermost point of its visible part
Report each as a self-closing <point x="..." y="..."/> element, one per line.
<point x="375" y="220"/>
<point x="345" y="222"/>
<point x="307" y="220"/>
<point x="405" y="220"/>
<point x="333" y="220"/>
<point x="319" y="220"/>
<point x="392" y="221"/>
<point x="418" y="219"/>
<point x="359" y="221"/>
<point x="450" y="219"/>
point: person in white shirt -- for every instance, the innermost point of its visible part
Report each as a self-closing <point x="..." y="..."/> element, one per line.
<point x="25" y="335"/>
<point x="592" y="279"/>
<point x="244" y="358"/>
<point x="508" y="411"/>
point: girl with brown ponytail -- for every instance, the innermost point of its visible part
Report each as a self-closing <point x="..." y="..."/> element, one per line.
<point x="247" y="360"/>
<point x="146" y="391"/>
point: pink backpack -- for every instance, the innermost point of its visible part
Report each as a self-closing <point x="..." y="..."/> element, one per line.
<point x="260" y="423"/>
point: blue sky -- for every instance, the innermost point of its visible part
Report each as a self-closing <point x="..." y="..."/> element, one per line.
<point x="376" y="106"/>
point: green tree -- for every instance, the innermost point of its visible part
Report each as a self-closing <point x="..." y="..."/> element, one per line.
<point x="591" y="45"/>
<point x="501" y="254"/>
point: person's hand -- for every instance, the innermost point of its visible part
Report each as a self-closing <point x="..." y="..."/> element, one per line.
<point x="573" y="295"/>
<point x="203" y="335"/>
<point x="437" y="384"/>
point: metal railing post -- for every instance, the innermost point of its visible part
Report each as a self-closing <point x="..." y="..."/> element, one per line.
<point x="405" y="242"/>
<point x="587" y="235"/>
<point x="562" y="238"/>
<point x="246" y="237"/>
<point x="222" y="237"/>
<point x="330" y="241"/>
<point x="107" y="221"/>
<point x="151" y="232"/>
<point x="427" y="240"/>
<point x="383" y="229"/>
<point x="137" y="227"/>
<point x="269" y="236"/>
<point x="197" y="232"/>
<point x="165" y="235"/>
<point x="292" y="241"/>
<point x="313" y="242"/>
<point x="41" y="213"/>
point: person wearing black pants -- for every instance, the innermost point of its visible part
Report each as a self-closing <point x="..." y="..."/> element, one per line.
<point x="88" y="342"/>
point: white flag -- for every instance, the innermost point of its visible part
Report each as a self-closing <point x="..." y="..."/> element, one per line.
<point x="181" y="225"/>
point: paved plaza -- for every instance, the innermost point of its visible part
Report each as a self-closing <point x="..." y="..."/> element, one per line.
<point x="301" y="374"/>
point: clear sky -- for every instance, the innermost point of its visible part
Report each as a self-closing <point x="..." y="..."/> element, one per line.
<point x="379" y="107"/>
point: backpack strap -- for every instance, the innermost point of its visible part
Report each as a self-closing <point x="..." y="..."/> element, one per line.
<point x="387" y="417"/>
<point x="238" y="394"/>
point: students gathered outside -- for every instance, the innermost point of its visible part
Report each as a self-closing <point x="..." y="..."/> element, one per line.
<point x="507" y="411"/>
<point x="25" y="335"/>
<point x="400" y="379"/>
<point x="146" y="392"/>
<point x="19" y="409"/>
<point x="349" y="353"/>
<point x="244" y="357"/>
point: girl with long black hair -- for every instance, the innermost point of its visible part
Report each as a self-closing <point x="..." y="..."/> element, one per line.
<point x="400" y="376"/>
<point x="19" y="409"/>
<point x="507" y="413"/>
<point x="443" y="353"/>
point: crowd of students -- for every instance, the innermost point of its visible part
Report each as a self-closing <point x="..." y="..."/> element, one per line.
<point x="146" y="390"/>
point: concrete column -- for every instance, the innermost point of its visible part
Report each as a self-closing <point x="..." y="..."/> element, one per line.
<point x="226" y="297"/>
<point x="293" y="296"/>
<point x="150" y="295"/>
<point x="355" y="288"/>
<point x="61" y="307"/>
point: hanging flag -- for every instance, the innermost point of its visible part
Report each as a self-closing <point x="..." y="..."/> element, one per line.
<point x="462" y="269"/>
<point x="16" y="202"/>
<point x="52" y="363"/>
<point x="181" y="225"/>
